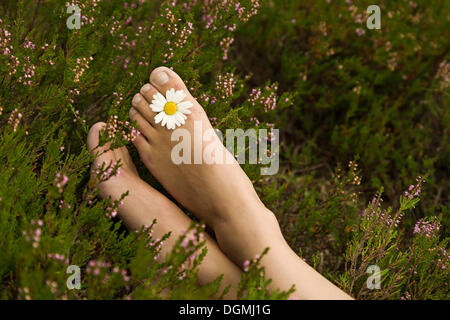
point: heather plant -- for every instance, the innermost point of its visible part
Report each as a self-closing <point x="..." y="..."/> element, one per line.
<point x="342" y="95"/>
<point x="376" y="242"/>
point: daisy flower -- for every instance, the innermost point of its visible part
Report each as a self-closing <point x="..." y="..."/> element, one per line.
<point x="171" y="109"/>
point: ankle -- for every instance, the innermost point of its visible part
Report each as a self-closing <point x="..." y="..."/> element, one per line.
<point x="241" y="209"/>
<point x="253" y="229"/>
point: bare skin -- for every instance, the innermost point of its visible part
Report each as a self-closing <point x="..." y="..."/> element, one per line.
<point x="144" y="204"/>
<point x="222" y="195"/>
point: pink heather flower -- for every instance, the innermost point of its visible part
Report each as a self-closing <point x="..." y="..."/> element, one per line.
<point x="360" y="32"/>
<point x="246" y="264"/>
<point x="184" y="243"/>
<point x="60" y="181"/>
<point x="426" y="228"/>
<point x="414" y="190"/>
<point x="14" y="119"/>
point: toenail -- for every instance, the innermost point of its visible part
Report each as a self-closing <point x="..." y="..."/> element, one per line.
<point x="161" y="78"/>
<point x="137" y="98"/>
<point x="146" y="87"/>
<point x="132" y="111"/>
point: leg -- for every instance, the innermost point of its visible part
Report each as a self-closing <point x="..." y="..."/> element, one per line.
<point x="144" y="204"/>
<point x="221" y="194"/>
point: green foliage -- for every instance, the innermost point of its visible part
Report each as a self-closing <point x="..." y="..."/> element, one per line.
<point x="254" y="286"/>
<point x="338" y="91"/>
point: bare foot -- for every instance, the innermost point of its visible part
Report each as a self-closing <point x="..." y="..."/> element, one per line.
<point x="220" y="194"/>
<point x="144" y="204"/>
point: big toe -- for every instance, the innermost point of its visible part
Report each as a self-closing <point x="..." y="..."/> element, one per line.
<point x="165" y="79"/>
<point x="104" y="153"/>
<point x="94" y="138"/>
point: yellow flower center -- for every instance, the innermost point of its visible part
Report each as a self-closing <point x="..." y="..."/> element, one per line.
<point x="170" y="108"/>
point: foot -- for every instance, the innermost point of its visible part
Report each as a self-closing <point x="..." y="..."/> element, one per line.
<point x="143" y="204"/>
<point x="220" y="194"/>
<point x="135" y="210"/>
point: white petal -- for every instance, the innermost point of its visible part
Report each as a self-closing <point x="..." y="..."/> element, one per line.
<point x="159" y="97"/>
<point x="179" y="117"/>
<point x="179" y="96"/>
<point x="174" y="123"/>
<point x="185" y="111"/>
<point x="169" y="122"/>
<point x="164" y="120"/>
<point x="170" y="95"/>
<point x="184" y="105"/>
<point x="159" y="117"/>
<point x="157" y="107"/>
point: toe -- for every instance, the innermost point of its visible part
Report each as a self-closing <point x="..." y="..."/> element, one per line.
<point x="104" y="154"/>
<point x="141" y="144"/>
<point x="141" y="104"/>
<point x="137" y="115"/>
<point x="164" y="79"/>
<point x="125" y="159"/>
<point x="147" y="92"/>
<point x="93" y="135"/>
